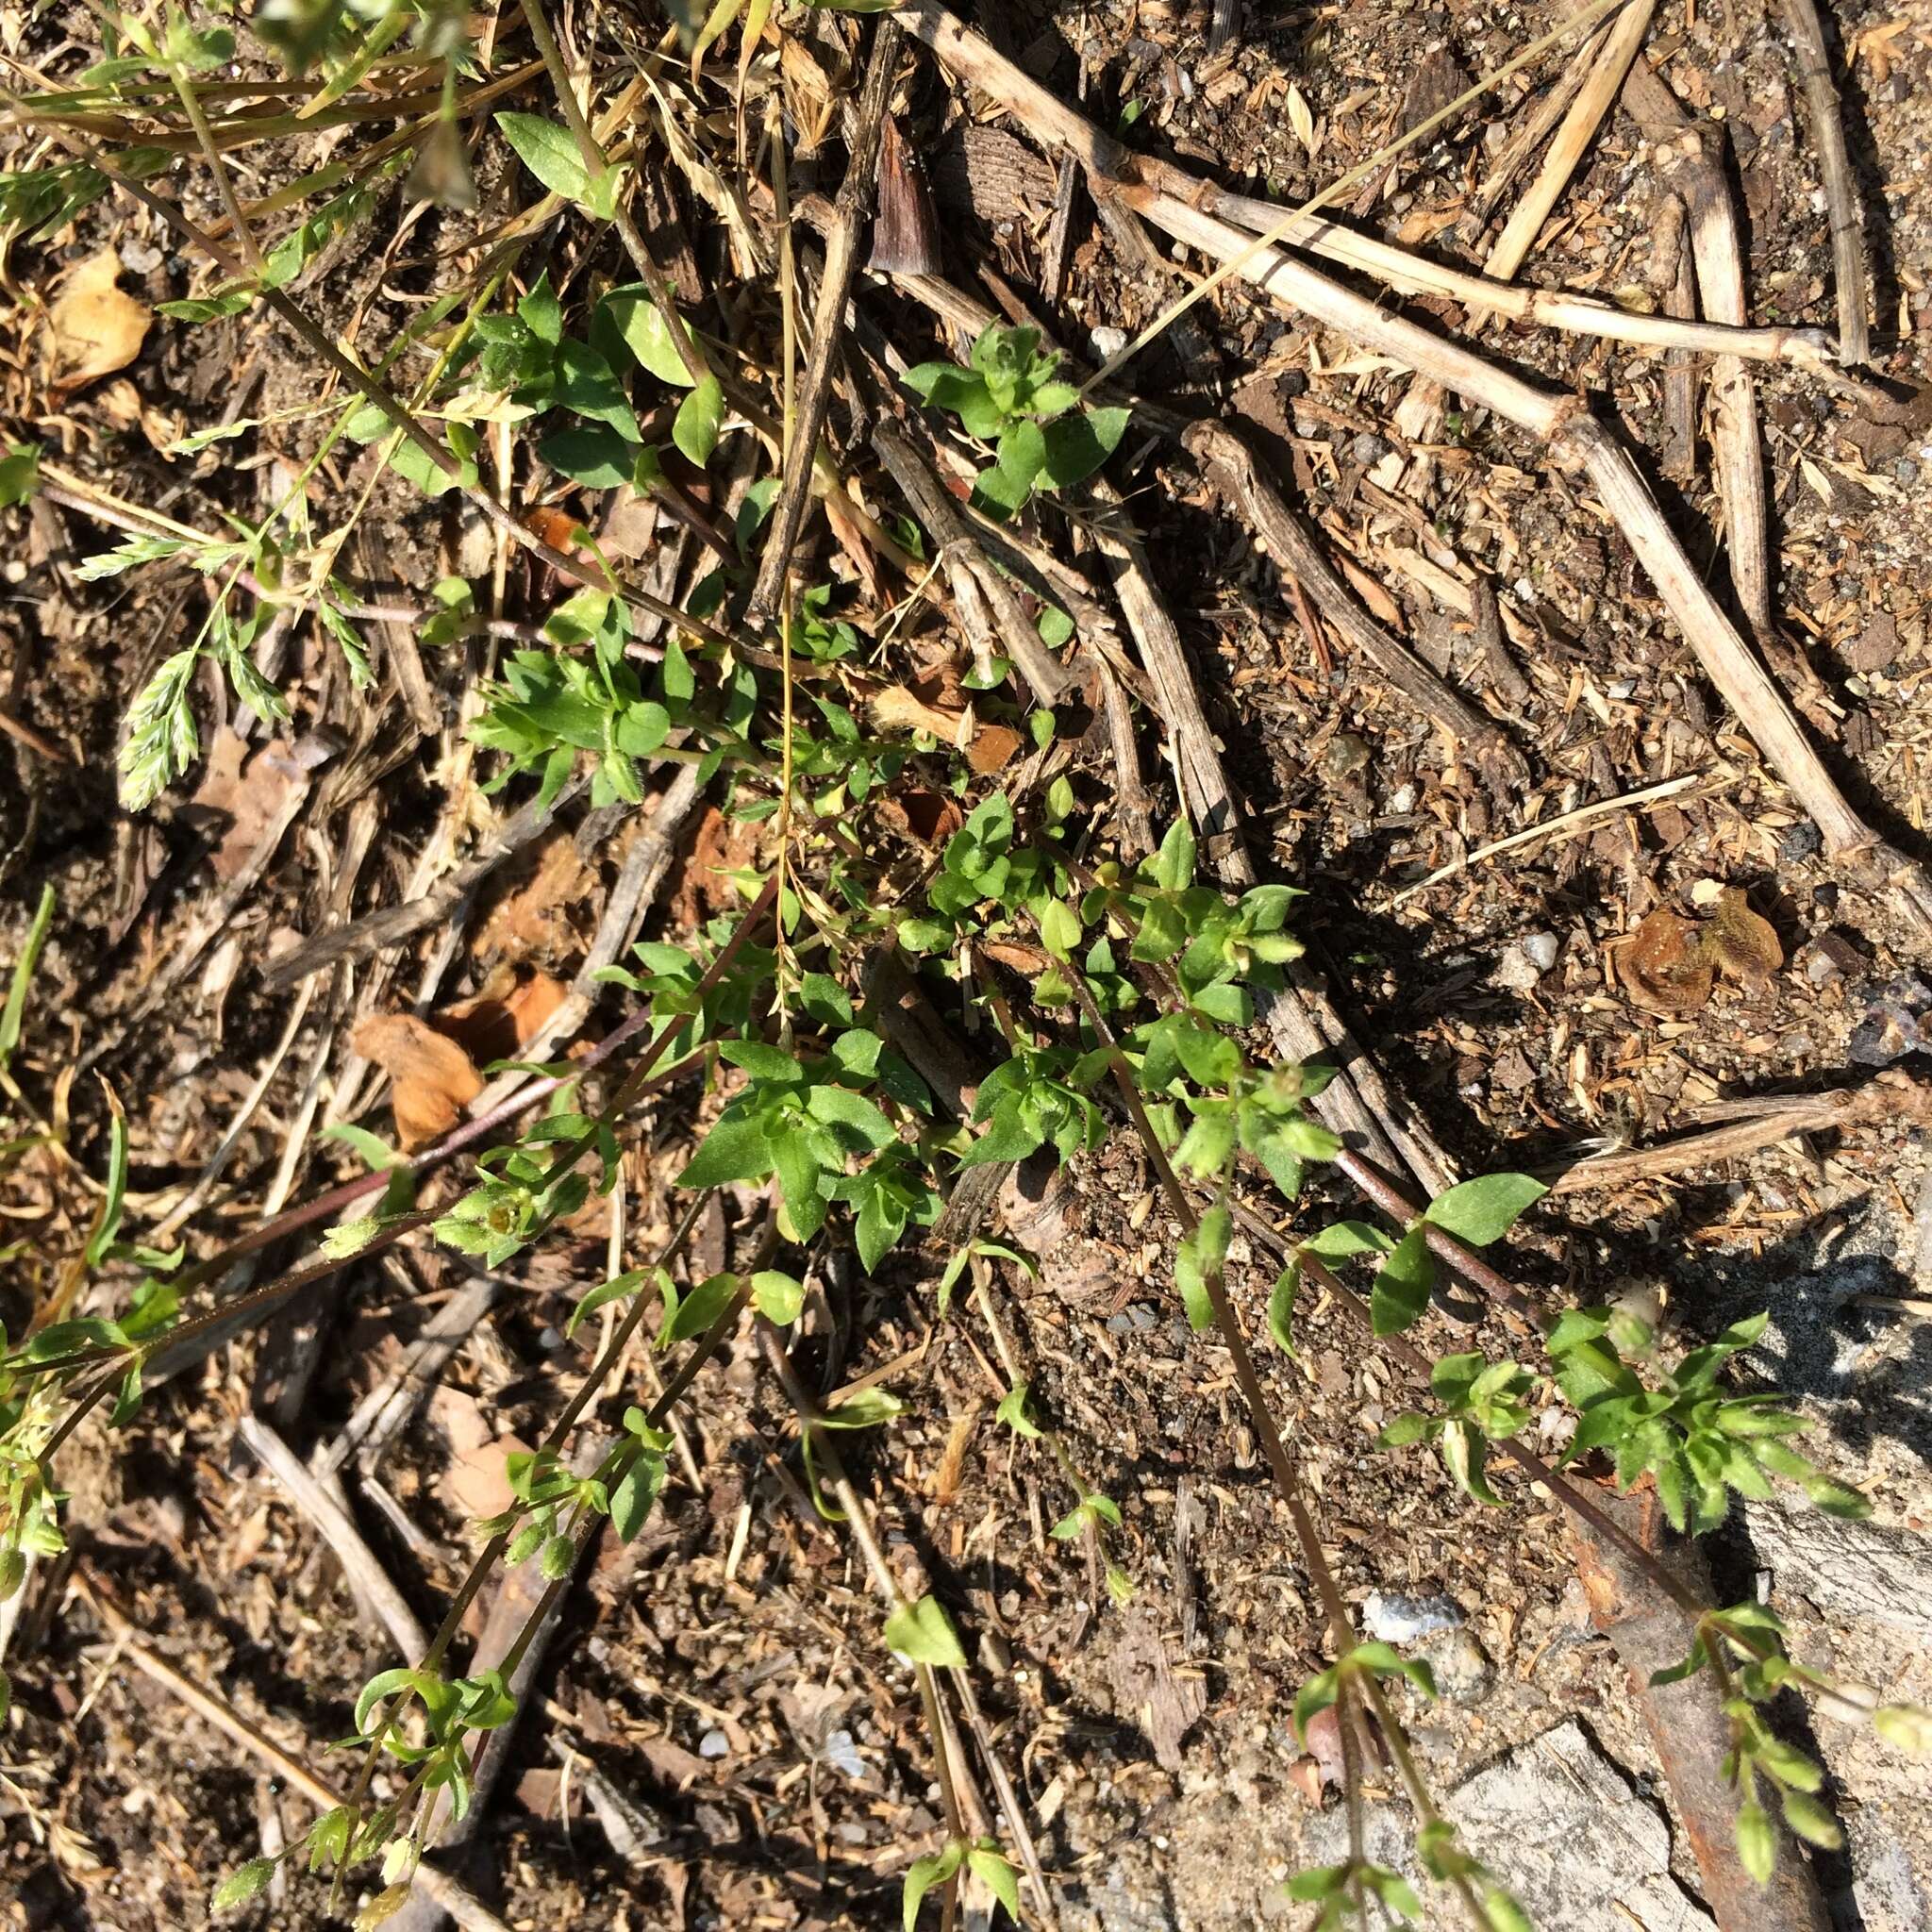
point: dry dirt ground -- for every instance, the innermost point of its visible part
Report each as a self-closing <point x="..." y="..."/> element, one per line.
<point x="723" y="1676"/>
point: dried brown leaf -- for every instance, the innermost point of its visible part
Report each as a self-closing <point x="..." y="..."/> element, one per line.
<point x="250" y="801"/>
<point x="1664" y="965"/>
<point x="719" y="845"/>
<point x="942" y="705"/>
<point x="535" y="918"/>
<point x="930" y="816"/>
<point x="504" y="1017"/>
<point x="932" y="705"/>
<point x="97" y="326"/>
<point x="434" y="1078"/>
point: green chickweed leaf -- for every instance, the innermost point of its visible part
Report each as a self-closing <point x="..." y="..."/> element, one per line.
<point x="1012" y="1411"/>
<point x="1200" y="1257"/>
<point x="1483" y="1211"/>
<point x="922" y="1876"/>
<point x="243" y="1884"/>
<point x="922" y="1632"/>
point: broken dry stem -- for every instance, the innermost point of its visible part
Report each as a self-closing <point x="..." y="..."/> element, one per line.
<point x="1691" y="156"/>
<point x="1608" y="66"/>
<point x="1840" y="198"/>
<point x="808" y="419"/>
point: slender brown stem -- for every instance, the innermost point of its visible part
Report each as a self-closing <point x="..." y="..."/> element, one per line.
<point x="825" y="1450"/>
<point x="1840" y="198"/>
<point x="834" y="285"/>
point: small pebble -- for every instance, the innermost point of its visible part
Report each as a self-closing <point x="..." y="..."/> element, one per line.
<point x="1392" y="1617"/>
<point x="1820" y="967"/>
<point x="1464" y="1674"/>
<point x="1344" y="753"/>
<point x="1906" y="471"/>
<point x="841" y="1755"/>
<point x="140" y="258"/>
<point x="1541" y="948"/>
<point x="1368" y="448"/>
<point x="1403" y="801"/>
<point x="713" y="1744"/>
<point x="1106" y="341"/>
<point x="1516" y="972"/>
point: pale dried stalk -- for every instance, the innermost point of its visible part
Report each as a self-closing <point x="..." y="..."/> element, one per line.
<point x="1564" y="422"/>
<point x="1691" y="165"/>
<point x="1513" y="245"/>
<point x="316" y="1500"/>
<point x="1303" y="1021"/>
<point x="1840" y="199"/>
<point x="1514" y="155"/>
<point x="1810" y="349"/>
<point x="1890" y="1097"/>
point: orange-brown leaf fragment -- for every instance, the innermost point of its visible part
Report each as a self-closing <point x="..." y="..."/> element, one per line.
<point x="99" y="327"/>
<point x="1664" y="965"/>
<point x="250" y="801"/>
<point x="504" y="1016"/>
<point x="930" y="816"/>
<point x="1742" y="941"/>
<point x="993" y="749"/>
<point x="942" y="705"/>
<point x="934" y="705"/>
<point x="434" y="1078"/>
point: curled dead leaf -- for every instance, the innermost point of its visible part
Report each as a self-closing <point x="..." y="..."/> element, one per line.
<point x="1743" y="944"/>
<point x="433" y="1078"/>
<point x="930" y="816"/>
<point x="504" y="1016"/>
<point x="1664" y="966"/>
<point x="940" y="704"/>
<point x="933" y="704"/>
<point x="247" y="803"/>
<point x="432" y="1063"/>
<point x="97" y="326"/>
<point x="1670" y="964"/>
<point x="1017" y="957"/>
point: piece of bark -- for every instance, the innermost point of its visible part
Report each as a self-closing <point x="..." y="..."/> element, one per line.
<point x="1686" y="1720"/>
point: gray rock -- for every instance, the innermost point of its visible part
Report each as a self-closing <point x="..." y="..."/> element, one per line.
<point x="1516" y="972"/>
<point x="1847" y="1568"/>
<point x="1886" y="1894"/>
<point x="1563" y="1824"/>
<point x="1391" y="1617"/>
<point x="1559" y="1825"/>
<point x="713" y="1744"/>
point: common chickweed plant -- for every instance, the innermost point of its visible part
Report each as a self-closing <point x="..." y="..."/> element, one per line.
<point x="1138" y="1018"/>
